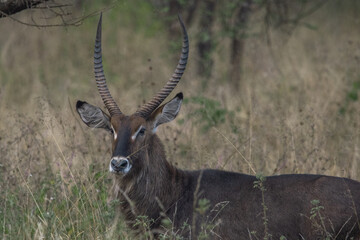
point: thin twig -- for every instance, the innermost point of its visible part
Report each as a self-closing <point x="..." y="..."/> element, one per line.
<point x="5" y="210"/>
<point x="75" y="22"/>
<point x="196" y="195"/>
<point x="54" y="6"/>
<point x="237" y="150"/>
<point x="32" y="195"/>
<point x="61" y="152"/>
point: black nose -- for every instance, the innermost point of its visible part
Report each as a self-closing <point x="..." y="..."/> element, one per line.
<point x="119" y="164"/>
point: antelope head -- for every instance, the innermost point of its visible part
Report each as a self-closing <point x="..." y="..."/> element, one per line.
<point x="132" y="134"/>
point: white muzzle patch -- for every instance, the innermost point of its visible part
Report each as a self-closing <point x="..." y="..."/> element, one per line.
<point x="119" y="165"/>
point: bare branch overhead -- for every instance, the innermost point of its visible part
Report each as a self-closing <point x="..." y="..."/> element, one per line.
<point x="47" y="13"/>
<point x="9" y="7"/>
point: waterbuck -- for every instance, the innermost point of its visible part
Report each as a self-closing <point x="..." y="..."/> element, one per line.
<point x="217" y="204"/>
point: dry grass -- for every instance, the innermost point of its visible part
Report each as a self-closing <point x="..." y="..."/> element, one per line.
<point x="293" y="113"/>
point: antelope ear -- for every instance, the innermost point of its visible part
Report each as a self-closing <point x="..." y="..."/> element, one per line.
<point x="167" y="112"/>
<point x="93" y="116"/>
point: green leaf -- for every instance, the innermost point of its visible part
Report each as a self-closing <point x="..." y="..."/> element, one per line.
<point x="353" y="95"/>
<point x="310" y="26"/>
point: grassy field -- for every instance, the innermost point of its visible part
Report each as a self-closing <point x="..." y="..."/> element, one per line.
<point x="297" y="111"/>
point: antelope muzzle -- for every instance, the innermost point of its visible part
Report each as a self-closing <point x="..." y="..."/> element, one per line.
<point x="119" y="165"/>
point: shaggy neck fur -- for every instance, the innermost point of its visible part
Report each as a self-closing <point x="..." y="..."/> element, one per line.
<point x="152" y="189"/>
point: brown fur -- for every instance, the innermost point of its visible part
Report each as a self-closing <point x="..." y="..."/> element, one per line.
<point x="281" y="206"/>
<point x="147" y="185"/>
<point x="156" y="189"/>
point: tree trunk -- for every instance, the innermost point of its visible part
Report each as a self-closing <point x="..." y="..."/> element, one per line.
<point x="186" y="10"/>
<point x="238" y="43"/>
<point x="205" y="43"/>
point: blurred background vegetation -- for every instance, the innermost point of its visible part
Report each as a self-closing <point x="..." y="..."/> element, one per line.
<point x="271" y="87"/>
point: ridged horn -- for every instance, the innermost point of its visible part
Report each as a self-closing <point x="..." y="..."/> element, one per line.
<point x="109" y="102"/>
<point x="149" y="107"/>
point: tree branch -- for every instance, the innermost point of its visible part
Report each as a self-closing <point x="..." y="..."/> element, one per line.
<point x="55" y="14"/>
<point x="9" y="7"/>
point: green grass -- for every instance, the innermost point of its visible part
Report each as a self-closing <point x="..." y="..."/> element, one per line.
<point x="297" y="111"/>
<point x="53" y="203"/>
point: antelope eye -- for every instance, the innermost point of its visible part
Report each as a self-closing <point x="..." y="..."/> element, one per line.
<point x="141" y="132"/>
